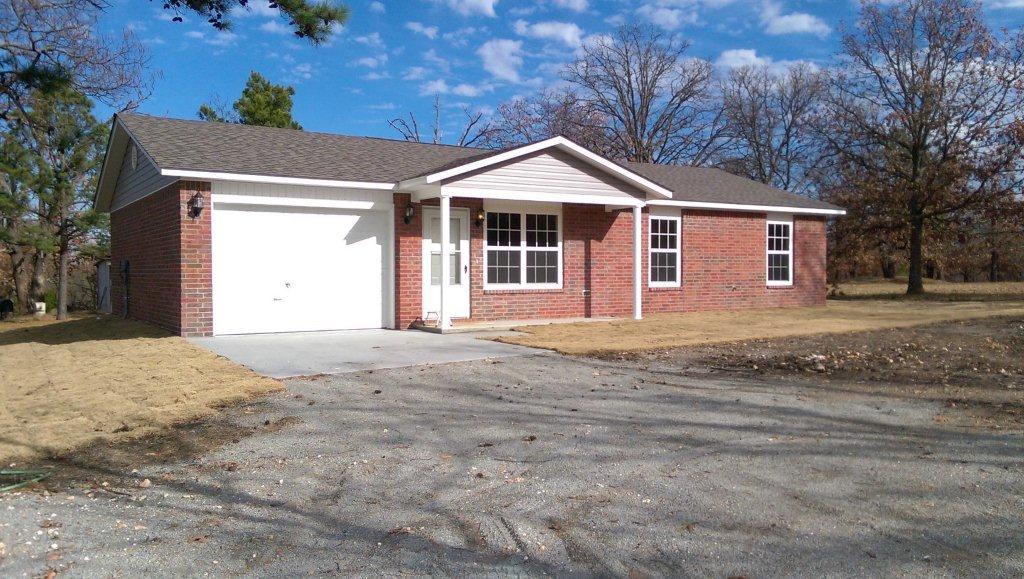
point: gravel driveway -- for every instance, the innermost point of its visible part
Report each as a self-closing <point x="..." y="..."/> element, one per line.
<point x="543" y="464"/>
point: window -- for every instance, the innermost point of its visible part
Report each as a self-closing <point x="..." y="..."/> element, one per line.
<point x="664" y="252"/>
<point x="522" y="249"/>
<point x="780" y="253"/>
<point x="454" y="255"/>
<point x="541" y="248"/>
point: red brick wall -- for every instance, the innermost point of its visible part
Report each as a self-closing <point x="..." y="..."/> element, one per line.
<point x="168" y="252"/>
<point x="723" y="265"/>
<point x="196" y="263"/>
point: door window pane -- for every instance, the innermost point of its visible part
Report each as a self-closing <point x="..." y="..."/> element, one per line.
<point x="454" y="276"/>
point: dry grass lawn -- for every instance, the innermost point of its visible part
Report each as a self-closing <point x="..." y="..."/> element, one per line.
<point x="664" y="331"/>
<point x="935" y="290"/>
<point x="68" y="384"/>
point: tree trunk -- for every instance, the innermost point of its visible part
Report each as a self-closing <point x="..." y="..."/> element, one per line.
<point x="37" y="286"/>
<point x="63" y="260"/>
<point x="915" y="281"/>
<point x="888" y="265"/>
<point x="17" y="274"/>
<point x="993" y="266"/>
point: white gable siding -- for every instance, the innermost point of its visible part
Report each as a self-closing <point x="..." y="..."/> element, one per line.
<point x="133" y="185"/>
<point x="547" y="172"/>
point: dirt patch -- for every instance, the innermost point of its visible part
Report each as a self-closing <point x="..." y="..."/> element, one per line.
<point x="974" y="368"/>
<point x="94" y="380"/>
<point x="666" y="331"/>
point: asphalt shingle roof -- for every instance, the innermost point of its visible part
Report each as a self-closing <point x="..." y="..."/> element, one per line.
<point x="249" y="150"/>
<point x="232" y="148"/>
<point x="710" y="185"/>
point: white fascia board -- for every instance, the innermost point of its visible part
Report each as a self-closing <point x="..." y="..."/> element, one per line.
<point x="547" y="197"/>
<point x="231" y="199"/>
<point x="213" y="176"/>
<point x="560" y="142"/>
<point x="741" y="207"/>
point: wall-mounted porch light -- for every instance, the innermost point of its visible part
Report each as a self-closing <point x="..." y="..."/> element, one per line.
<point x="195" y="205"/>
<point x="408" y="213"/>
<point x="480" y="217"/>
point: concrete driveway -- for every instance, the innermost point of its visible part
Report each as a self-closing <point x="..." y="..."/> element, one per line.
<point x="311" y="353"/>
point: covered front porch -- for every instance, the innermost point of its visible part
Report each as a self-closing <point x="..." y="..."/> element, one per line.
<point x="482" y="244"/>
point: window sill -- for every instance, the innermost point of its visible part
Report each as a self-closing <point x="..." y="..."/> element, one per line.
<point x="664" y="288"/>
<point x="524" y="290"/>
<point x="780" y="286"/>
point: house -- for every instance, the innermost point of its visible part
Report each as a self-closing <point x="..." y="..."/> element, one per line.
<point x="230" y="229"/>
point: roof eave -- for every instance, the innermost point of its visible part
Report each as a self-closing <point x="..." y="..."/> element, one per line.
<point x="111" y="168"/>
<point x="748" y="207"/>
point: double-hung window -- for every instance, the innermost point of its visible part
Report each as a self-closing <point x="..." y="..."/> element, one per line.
<point x="664" y="251"/>
<point x="780" y="253"/>
<point x="522" y="249"/>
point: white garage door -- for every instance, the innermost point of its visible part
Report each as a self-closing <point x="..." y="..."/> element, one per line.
<point x="296" y="269"/>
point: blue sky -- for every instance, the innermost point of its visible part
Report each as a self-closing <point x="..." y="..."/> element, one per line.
<point x="393" y="55"/>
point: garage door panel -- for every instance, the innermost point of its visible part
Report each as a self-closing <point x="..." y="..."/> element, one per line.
<point x="279" y="269"/>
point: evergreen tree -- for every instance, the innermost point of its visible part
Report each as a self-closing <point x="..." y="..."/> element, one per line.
<point x="262" y="103"/>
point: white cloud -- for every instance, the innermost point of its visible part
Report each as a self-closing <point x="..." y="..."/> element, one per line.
<point x="216" y="38"/>
<point x="376" y="75"/>
<point x="1008" y="4"/>
<point x="502" y="58"/>
<point x="468" y="90"/>
<point x="738" y="57"/>
<point x="438" y="86"/>
<point x="275" y="27"/>
<point x="461" y="36"/>
<point x="414" y="73"/>
<point x="303" y="70"/>
<point x="564" y="32"/>
<point x="432" y="57"/>
<point x="373" y="40"/>
<point x="372" y="61"/>
<point x="428" y="31"/>
<point x="575" y="5"/>
<point x="666" y="17"/>
<point x="776" y="23"/>
<point x="471" y="7"/>
<point x="377" y="7"/>
<point x="384" y="107"/>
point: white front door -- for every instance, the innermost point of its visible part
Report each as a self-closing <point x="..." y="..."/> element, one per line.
<point x="458" y="279"/>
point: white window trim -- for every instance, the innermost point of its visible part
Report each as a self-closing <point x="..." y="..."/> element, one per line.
<point x="522" y="210"/>
<point x="779" y="221"/>
<point x="678" y="251"/>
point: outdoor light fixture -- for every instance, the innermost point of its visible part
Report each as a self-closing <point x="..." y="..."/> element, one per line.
<point x="479" y="217"/>
<point x="195" y="205"/>
<point x="409" y="212"/>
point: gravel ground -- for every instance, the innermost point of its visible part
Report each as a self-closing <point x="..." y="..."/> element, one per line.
<point x="551" y="465"/>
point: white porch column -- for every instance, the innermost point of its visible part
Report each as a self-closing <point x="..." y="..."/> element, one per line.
<point x="444" y="321"/>
<point x="637" y="263"/>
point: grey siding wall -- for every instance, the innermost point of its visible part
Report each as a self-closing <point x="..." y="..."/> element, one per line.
<point x="133" y="185"/>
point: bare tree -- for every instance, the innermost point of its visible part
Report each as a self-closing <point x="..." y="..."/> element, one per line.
<point x="928" y="105"/>
<point x="51" y="43"/>
<point x="769" y="114"/>
<point x="657" y="102"/>
<point x="472" y="133"/>
<point x="548" y="114"/>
